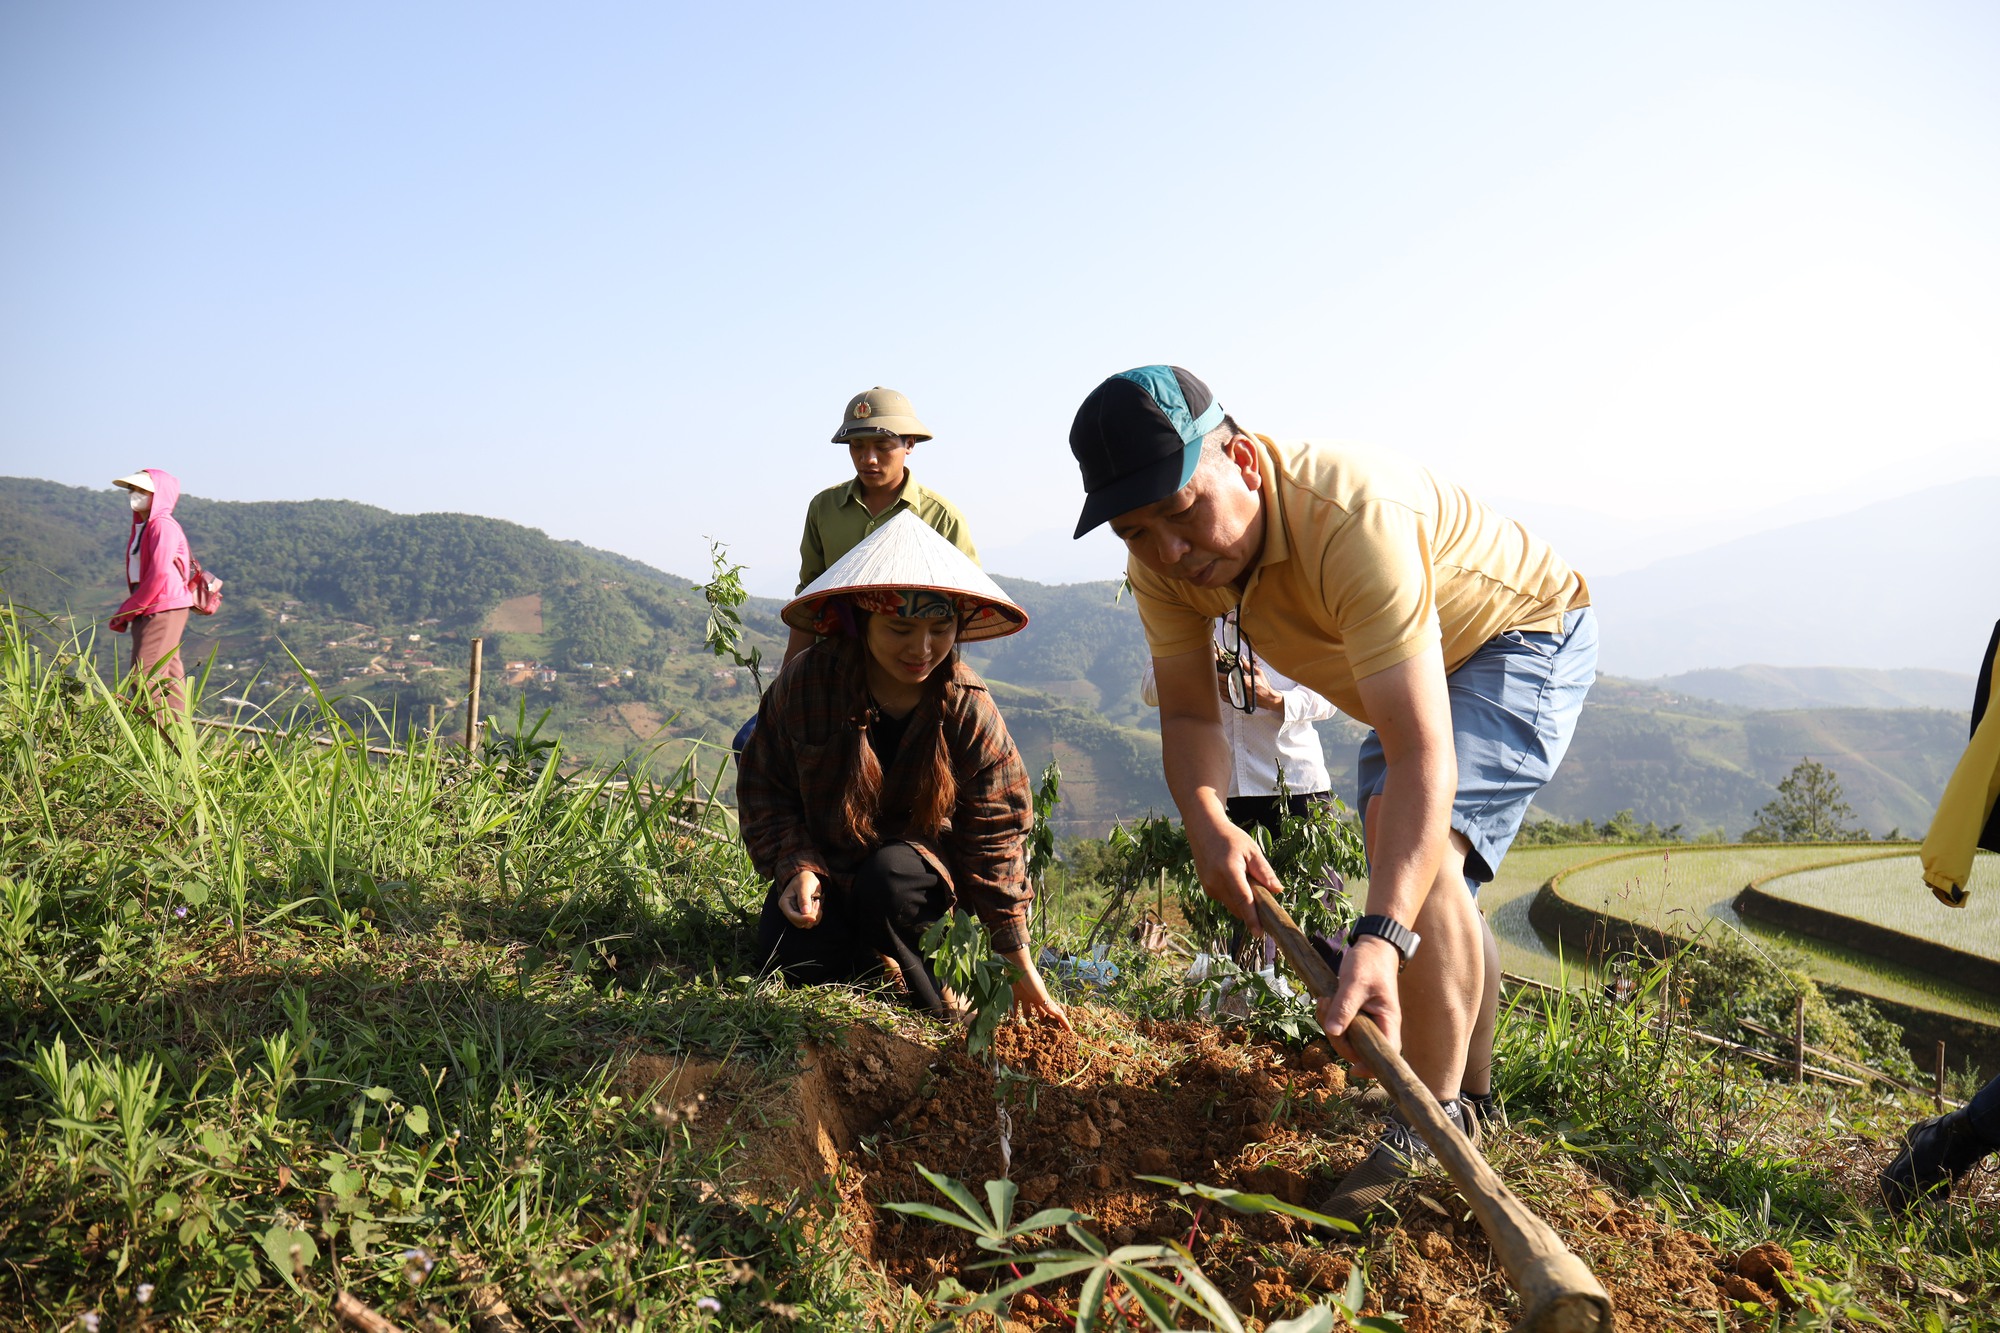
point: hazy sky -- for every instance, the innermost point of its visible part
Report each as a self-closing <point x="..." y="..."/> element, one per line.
<point x="1645" y="274"/>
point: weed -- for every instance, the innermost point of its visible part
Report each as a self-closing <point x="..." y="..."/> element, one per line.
<point x="1157" y="1283"/>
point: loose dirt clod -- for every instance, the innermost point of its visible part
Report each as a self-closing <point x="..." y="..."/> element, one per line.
<point x="1762" y="1266"/>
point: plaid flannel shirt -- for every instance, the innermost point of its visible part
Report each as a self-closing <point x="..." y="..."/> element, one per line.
<point x="793" y="771"/>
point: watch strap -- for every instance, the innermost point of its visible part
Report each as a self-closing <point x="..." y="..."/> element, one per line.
<point x="1400" y="937"/>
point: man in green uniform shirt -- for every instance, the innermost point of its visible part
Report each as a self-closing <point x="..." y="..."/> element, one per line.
<point x="879" y="429"/>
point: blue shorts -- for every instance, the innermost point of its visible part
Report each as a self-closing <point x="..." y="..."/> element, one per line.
<point x="1514" y="706"/>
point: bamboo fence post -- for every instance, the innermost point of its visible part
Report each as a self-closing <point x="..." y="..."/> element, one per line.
<point x="1799" y="1040"/>
<point x="1937" y="1078"/>
<point x="472" y="699"/>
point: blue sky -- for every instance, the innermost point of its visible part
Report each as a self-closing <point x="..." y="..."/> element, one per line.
<point x="1649" y="276"/>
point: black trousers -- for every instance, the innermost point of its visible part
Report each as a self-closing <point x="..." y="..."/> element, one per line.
<point x="1248" y="812"/>
<point x="894" y="897"/>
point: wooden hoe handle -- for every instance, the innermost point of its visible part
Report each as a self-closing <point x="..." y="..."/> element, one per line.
<point x="1558" y="1293"/>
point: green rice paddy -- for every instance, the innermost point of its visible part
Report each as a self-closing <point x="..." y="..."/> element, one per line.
<point x="1505" y="901"/>
<point x="1682" y="889"/>
<point x="1890" y="894"/>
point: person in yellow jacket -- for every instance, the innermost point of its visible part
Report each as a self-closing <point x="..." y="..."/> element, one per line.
<point x="1938" y="1152"/>
<point x="1967" y="817"/>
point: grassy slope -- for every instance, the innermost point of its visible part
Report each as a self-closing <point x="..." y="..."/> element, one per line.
<point x="291" y="1021"/>
<point x="376" y="1010"/>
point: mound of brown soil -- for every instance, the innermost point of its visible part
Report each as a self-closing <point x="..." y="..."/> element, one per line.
<point x="1074" y="1120"/>
<point x="1082" y="1117"/>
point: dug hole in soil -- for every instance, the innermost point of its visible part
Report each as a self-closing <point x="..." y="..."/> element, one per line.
<point x="1084" y="1115"/>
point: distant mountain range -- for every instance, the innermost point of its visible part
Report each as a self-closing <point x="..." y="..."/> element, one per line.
<point x="1824" y="687"/>
<point x="613" y="648"/>
<point x="1908" y="582"/>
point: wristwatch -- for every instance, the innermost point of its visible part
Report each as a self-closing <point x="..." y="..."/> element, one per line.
<point x="1402" y="937"/>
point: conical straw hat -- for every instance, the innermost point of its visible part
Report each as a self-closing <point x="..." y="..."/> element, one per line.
<point x="906" y="552"/>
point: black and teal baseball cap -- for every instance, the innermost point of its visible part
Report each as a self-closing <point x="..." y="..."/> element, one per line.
<point x="1137" y="439"/>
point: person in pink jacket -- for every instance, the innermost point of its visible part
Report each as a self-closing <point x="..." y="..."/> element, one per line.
<point x="157" y="562"/>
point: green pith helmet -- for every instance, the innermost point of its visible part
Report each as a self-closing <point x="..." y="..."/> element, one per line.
<point x="880" y="411"/>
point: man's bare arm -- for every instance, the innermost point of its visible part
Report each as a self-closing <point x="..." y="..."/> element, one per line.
<point x="1195" y="753"/>
<point x="1411" y="711"/>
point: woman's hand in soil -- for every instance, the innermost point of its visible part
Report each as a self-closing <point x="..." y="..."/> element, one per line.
<point x="1031" y="994"/>
<point x="800" y="900"/>
<point x="1368" y="985"/>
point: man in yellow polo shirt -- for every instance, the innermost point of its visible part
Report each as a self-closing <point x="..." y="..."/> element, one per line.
<point x="879" y="428"/>
<point x="1463" y="640"/>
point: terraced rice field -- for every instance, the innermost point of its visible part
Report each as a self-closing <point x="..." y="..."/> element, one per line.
<point x="1890" y="893"/>
<point x="1505" y="902"/>
<point x="1682" y="889"/>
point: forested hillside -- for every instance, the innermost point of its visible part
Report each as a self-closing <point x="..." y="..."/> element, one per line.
<point x="1706" y="765"/>
<point x="381" y="607"/>
<point x="1083" y="644"/>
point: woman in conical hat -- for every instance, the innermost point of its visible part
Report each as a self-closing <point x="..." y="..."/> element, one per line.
<point x="880" y="787"/>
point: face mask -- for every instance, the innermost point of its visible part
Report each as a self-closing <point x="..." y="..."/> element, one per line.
<point x="140" y="502"/>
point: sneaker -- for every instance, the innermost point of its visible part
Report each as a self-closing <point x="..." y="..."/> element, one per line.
<point x="1487" y="1113"/>
<point x="1396" y="1155"/>
<point x="1937" y="1154"/>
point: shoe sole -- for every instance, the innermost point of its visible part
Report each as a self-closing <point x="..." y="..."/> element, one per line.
<point x="1362" y="1190"/>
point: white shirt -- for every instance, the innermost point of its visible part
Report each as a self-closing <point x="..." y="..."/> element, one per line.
<point x="1260" y="742"/>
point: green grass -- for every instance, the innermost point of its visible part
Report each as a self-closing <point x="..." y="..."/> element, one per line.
<point x="1891" y="894"/>
<point x="1723" y="1151"/>
<point x="1680" y="890"/>
<point x="288" y="1021"/>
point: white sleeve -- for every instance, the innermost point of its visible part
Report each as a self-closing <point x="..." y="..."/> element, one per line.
<point x="1304" y="705"/>
<point x="1149" y="689"/>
